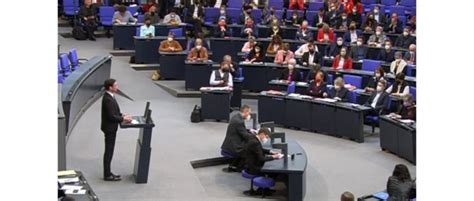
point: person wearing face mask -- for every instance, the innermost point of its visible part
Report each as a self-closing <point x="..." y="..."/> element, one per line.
<point x="378" y="101"/>
<point x="320" y="19"/>
<point x="236" y="137"/>
<point x="147" y="30"/>
<point x="325" y="34"/>
<point x="405" y="39"/>
<point x="283" y="56"/>
<point x="233" y="66"/>
<point x="248" y="45"/>
<point x="311" y="57"/>
<point x="221" y="31"/>
<point x="317" y="87"/>
<point x="153" y="15"/>
<point x="304" y="48"/>
<point x="275" y="45"/>
<point x="359" y="50"/>
<point x="355" y="16"/>
<point x="379" y="17"/>
<point x="246" y="14"/>
<point x="342" y="60"/>
<point x="373" y="81"/>
<point x="198" y="52"/>
<point x="256" y="155"/>
<point x="303" y="32"/>
<point x="223" y="15"/>
<point x="407" y="110"/>
<point x="378" y="38"/>
<point x="195" y="16"/>
<point x="172" y="18"/>
<point x="400" y="87"/>
<point x="270" y="17"/>
<point x="395" y="26"/>
<point x="351" y="35"/>
<point x="122" y="15"/>
<point x="221" y="77"/>
<point x="291" y="73"/>
<point x="256" y="54"/>
<point x="369" y="24"/>
<point x="295" y="20"/>
<point x="338" y="92"/>
<point x="249" y="29"/>
<point x="170" y="44"/>
<point x="342" y="23"/>
<point x="333" y="14"/>
<point x="334" y="49"/>
<point x="275" y="31"/>
<point x="387" y="54"/>
<point x="398" y="66"/>
<point x="410" y="56"/>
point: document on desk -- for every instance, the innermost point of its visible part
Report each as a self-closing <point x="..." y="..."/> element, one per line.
<point x="406" y="121"/>
<point x="215" y="88"/>
<point x="75" y="192"/>
<point x="66" y="173"/>
<point x="330" y="100"/>
<point x="71" y="187"/>
<point x="68" y="180"/>
<point x="134" y="121"/>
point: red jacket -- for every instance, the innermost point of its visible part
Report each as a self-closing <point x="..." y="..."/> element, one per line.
<point x="296" y="4"/>
<point x="321" y="35"/>
<point x="347" y="63"/>
<point x="348" y="7"/>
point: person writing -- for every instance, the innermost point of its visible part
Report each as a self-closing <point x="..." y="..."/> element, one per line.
<point x="407" y="110"/>
<point x="110" y="119"/>
<point x="291" y="73"/>
<point x="255" y="154"/>
<point x="339" y="93"/>
<point x="123" y="16"/>
<point x="198" y="52"/>
<point x="172" y="18"/>
<point x="317" y="88"/>
<point x="170" y="44"/>
<point x="221" y="77"/>
<point x="373" y="81"/>
<point x="147" y="30"/>
<point x="342" y="60"/>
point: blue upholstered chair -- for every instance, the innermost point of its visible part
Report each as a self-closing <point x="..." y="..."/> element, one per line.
<point x="408" y="3"/>
<point x="65" y="65"/>
<point x="235" y="4"/>
<point x="265" y="183"/>
<point x="60" y="75"/>
<point x="106" y="14"/>
<point x="245" y="174"/>
<point x="374" y="120"/>
<point x="277" y="4"/>
<point x="234" y="13"/>
<point x="413" y="92"/>
<point x="365" y="2"/>
<point x="389" y="2"/>
<point x="71" y="7"/>
<point x="291" y="87"/>
<point x="210" y="14"/>
<point x="140" y="18"/>
<point x="75" y="61"/>
<point x="400" y="10"/>
<point x="370" y="65"/>
<point x="178" y="32"/>
<point x="354" y="80"/>
<point x="353" y="96"/>
<point x="137" y="31"/>
<point x="315" y="6"/>
<point x="132" y="10"/>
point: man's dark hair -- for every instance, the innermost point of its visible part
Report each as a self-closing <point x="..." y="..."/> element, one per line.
<point x="265" y="131"/>
<point x="147" y="19"/>
<point x="347" y="196"/>
<point x="108" y="83"/>
<point x="122" y="8"/>
<point x="401" y="173"/>
<point x="244" y="107"/>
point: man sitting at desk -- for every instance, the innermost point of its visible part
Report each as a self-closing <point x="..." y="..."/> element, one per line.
<point x="378" y="101"/>
<point x="284" y="55"/>
<point x="249" y="29"/>
<point x="172" y="18"/>
<point x="291" y="73"/>
<point x="221" y="77"/>
<point x="255" y="154"/>
<point x="170" y="44"/>
<point x="339" y="92"/>
<point x="407" y="110"/>
<point x="304" y="48"/>
<point x="334" y="49"/>
<point x="123" y="16"/>
<point x="317" y="88"/>
<point x="221" y="31"/>
<point x="378" y="38"/>
<point x="311" y="57"/>
<point x="147" y="30"/>
<point x="233" y="67"/>
<point x="387" y="54"/>
<point x="359" y="51"/>
<point x="153" y="15"/>
<point x="198" y="52"/>
<point x="303" y="32"/>
<point x="398" y="66"/>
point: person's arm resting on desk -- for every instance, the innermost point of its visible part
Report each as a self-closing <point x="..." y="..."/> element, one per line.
<point x="254" y="148"/>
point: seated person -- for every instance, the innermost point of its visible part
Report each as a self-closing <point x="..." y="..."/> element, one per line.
<point x="400" y="184"/>
<point x="248" y="45"/>
<point x="400" y="87"/>
<point x="144" y="8"/>
<point x="296" y="4"/>
<point x="153" y="15"/>
<point x="275" y="45"/>
<point x="387" y="54"/>
<point x="342" y="23"/>
<point x="255" y="154"/>
<point x="325" y="34"/>
<point x="410" y="56"/>
<point x="246" y="14"/>
<point x="170" y="45"/>
<point x="249" y="29"/>
<point x="256" y="54"/>
<point x="303" y="32"/>
<point x="295" y="20"/>
<point x="351" y="35"/>
<point x="359" y="51"/>
<point x="338" y="92"/>
<point x="198" y="52"/>
<point x="221" y="31"/>
<point x="398" y="66"/>
<point x="378" y="101"/>
<point x="334" y="49"/>
<point x="333" y="13"/>
<point x="147" y="30"/>
<point x="275" y="30"/>
<point x="395" y="26"/>
<point x="223" y="15"/>
<point x="312" y="73"/>
<point x="311" y="57"/>
<point x="233" y="67"/>
<point x="320" y="19"/>
<point x="88" y="16"/>
<point x="407" y="110"/>
<point x="343" y="60"/>
<point x="369" y="24"/>
<point x="123" y="16"/>
<point x="172" y="18"/>
<point x="355" y="16"/>
<point x="291" y="73"/>
<point x="192" y="41"/>
<point x="317" y="88"/>
<point x="221" y="77"/>
<point x="270" y="18"/>
<point x="373" y="81"/>
<point x="405" y="40"/>
<point x="378" y="38"/>
<point x="284" y="55"/>
<point x="195" y="16"/>
<point x="304" y="48"/>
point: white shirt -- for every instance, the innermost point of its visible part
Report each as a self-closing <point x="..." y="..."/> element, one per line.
<point x="218" y="4"/>
<point x="326" y="36"/>
<point x="341" y="62"/>
<point x="213" y="82"/>
<point x="111" y="94"/>
<point x="304" y="48"/>
<point x="376" y="17"/>
<point x="195" y="13"/>
<point x="311" y="59"/>
<point x="405" y="91"/>
<point x="374" y="102"/>
<point x="176" y="3"/>
<point x="353" y="36"/>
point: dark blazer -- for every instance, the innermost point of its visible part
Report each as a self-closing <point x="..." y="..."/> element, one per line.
<point x="386" y="57"/>
<point x="333" y="49"/>
<point x="398" y="28"/>
<point x="407" y="57"/>
<point x="305" y="58"/>
<point x="242" y="18"/>
<point x="356" y="18"/>
<point x="372" y="83"/>
<point x="407" y="112"/>
<point x="236" y="135"/>
<point x="398" y="190"/>
<point x="299" y="34"/>
<point x="259" y="58"/>
<point x="218" y="33"/>
<point x="255" y="155"/>
<point x="381" y="104"/>
<point x="316" y="19"/>
<point x="200" y="13"/>
<point x="296" y="76"/>
<point x="254" y="32"/>
<point x="343" y="94"/>
<point x="404" y="41"/>
<point x="111" y="116"/>
<point x="311" y="74"/>
<point x="333" y="17"/>
<point x="347" y="36"/>
<point x="358" y="52"/>
<point x="316" y="91"/>
<point x="235" y="73"/>
<point x="382" y="19"/>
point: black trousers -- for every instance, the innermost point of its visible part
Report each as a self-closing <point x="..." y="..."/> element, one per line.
<point x="89" y="27"/>
<point x="109" y="151"/>
<point x="197" y="25"/>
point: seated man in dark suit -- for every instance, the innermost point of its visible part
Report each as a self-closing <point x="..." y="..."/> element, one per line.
<point x="338" y="92"/>
<point x="291" y="73"/>
<point x="233" y="66"/>
<point x="405" y="39"/>
<point x="236" y="138"/>
<point x="255" y="154"/>
<point x="311" y="57"/>
<point x="359" y="51"/>
<point x="320" y="19"/>
<point x="249" y="29"/>
<point x="317" y="88"/>
<point x="312" y="73"/>
<point x="387" y="54"/>
<point x="378" y="101"/>
<point x="395" y="26"/>
<point x="246" y="14"/>
<point x="334" y="49"/>
<point x="195" y="16"/>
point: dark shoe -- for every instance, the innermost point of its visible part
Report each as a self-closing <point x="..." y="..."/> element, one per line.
<point x="115" y="175"/>
<point x="92" y="39"/>
<point x="250" y="193"/>
<point x="112" y="178"/>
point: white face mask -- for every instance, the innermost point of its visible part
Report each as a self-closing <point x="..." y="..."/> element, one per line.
<point x="257" y="50"/>
<point x="339" y="42"/>
<point x="247" y="118"/>
<point x="405" y="33"/>
<point x="337" y="87"/>
<point x="387" y="47"/>
<point x="264" y="140"/>
<point x="343" y="53"/>
<point x="378" y="33"/>
<point x="379" y="88"/>
<point x="198" y="47"/>
<point x="359" y="43"/>
<point x="344" y="17"/>
<point x="291" y="67"/>
<point x="376" y="11"/>
<point x="377" y="75"/>
<point x="222" y="12"/>
<point x="170" y="39"/>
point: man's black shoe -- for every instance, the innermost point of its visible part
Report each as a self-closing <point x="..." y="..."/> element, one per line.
<point x="92" y="39"/>
<point x="115" y="175"/>
<point x="112" y="178"/>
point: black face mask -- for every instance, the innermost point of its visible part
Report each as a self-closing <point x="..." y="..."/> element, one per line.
<point x="225" y="70"/>
<point x="311" y="51"/>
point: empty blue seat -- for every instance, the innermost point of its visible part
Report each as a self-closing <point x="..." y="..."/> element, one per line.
<point x="370" y="65"/>
<point x="276" y="4"/>
<point x="140" y="18"/>
<point x="279" y="14"/>
<point x="75" y="61"/>
<point x="403" y="19"/>
<point x="330" y="78"/>
<point x="178" y="32"/>
<point x="132" y="10"/>
<point x="234" y="14"/>
<point x="353" y="96"/>
<point x="291" y="87"/>
<point x="106" y="14"/>
<point x="413" y="92"/>
<point x="257" y="14"/>
<point x="354" y="80"/>
<point x="264" y="183"/>
<point x="65" y="65"/>
<point x="365" y="2"/>
<point x="71" y="7"/>
<point x="235" y="4"/>
<point x="60" y="74"/>
<point x="310" y="16"/>
<point x="389" y="2"/>
<point x="410" y="69"/>
<point x="245" y="174"/>
<point x="410" y="11"/>
<point x="315" y="6"/>
<point x="400" y="10"/>
<point x="210" y="14"/>
<point x="409" y="3"/>
<point x="137" y="31"/>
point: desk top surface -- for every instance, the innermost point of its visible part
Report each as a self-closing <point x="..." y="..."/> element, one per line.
<point x="398" y="122"/>
<point x="298" y="165"/>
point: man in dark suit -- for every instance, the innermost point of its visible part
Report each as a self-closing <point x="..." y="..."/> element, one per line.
<point x="379" y="16"/>
<point x="223" y="15"/>
<point x="255" y="154"/>
<point x="247" y="13"/>
<point x="236" y="137"/>
<point x="378" y="101"/>
<point x="320" y="19"/>
<point x="311" y="57"/>
<point x="338" y="92"/>
<point x="395" y="26"/>
<point x="359" y="51"/>
<point x="387" y="54"/>
<point x="405" y="39"/>
<point x="111" y="117"/>
<point x="195" y="16"/>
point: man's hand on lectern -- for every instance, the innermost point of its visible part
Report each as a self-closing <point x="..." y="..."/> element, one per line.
<point x="127" y="118"/>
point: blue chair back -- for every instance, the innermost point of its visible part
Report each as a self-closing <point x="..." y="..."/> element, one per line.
<point x="106" y="14"/>
<point x="74" y="59"/>
<point x="410" y="69"/>
<point x="137" y="31"/>
<point x="330" y="79"/>
<point x="279" y="14"/>
<point x="389" y="104"/>
<point x="65" y="66"/>
<point x="353" y="96"/>
<point x="140" y="18"/>
<point x="277" y="4"/>
<point x="413" y="92"/>
<point x="365" y="2"/>
<point x="257" y="14"/>
<point x="235" y="4"/>
<point x="370" y="65"/>
<point x="389" y="2"/>
<point x="310" y="16"/>
<point x="133" y="9"/>
<point x="315" y="6"/>
<point x="410" y="11"/>
<point x="241" y="72"/>
<point x="400" y="10"/>
<point x="70" y="7"/>
<point x="353" y="80"/>
<point x="234" y="14"/>
<point x="408" y="3"/>
<point x="403" y="19"/>
<point x="210" y="14"/>
<point x="178" y="32"/>
<point x="291" y="87"/>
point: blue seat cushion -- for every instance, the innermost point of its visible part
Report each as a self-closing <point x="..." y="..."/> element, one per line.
<point x="227" y="154"/>
<point x="247" y="175"/>
<point x="264" y="182"/>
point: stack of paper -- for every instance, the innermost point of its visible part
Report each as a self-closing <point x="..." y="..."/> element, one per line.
<point x="66" y="173"/>
<point x="68" y="180"/>
<point x="330" y="100"/>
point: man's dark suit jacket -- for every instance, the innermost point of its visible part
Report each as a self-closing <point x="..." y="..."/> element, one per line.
<point x="255" y="155"/>
<point x="343" y="94"/>
<point x="296" y="76"/>
<point x="190" y="13"/>
<point x="305" y="58"/>
<point x="386" y="57"/>
<point x="236" y="135"/>
<point x="382" y="102"/>
<point x="405" y="41"/>
<point x="111" y="115"/>
<point x="316" y="91"/>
